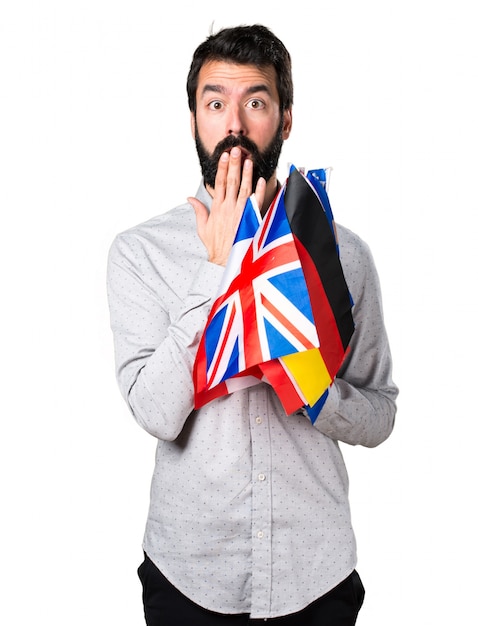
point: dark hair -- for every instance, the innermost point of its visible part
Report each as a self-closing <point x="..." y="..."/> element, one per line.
<point x="245" y="45"/>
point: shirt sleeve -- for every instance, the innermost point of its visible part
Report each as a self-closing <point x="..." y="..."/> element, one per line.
<point x="361" y="406"/>
<point x="156" y="342"/>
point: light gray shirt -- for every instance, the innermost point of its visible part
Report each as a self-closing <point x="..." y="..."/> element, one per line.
<point x="249" y="509"/>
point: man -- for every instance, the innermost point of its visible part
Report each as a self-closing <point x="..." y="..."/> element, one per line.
<point x="249" y="516"/>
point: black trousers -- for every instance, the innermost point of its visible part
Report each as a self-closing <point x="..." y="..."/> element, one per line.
<point x="164" y="605"/>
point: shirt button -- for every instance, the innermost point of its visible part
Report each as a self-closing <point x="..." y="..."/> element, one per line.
<point x="260" y="534"/>
<point x="258" y="420"/>
<point x="261" y="476"/>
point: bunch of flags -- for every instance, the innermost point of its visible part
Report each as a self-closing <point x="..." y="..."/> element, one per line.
<point x="284" y="312"/>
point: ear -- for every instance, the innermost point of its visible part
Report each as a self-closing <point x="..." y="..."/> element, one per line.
<point x="193" y="125"/>
<point x="287" y="127"/>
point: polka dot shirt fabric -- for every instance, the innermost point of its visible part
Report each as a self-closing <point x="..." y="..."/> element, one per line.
<point x="249" y="509"/>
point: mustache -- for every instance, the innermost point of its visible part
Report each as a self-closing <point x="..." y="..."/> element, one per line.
<point x="231" y="141"/>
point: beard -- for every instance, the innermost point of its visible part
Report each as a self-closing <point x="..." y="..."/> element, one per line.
<point x="265" y="162"/>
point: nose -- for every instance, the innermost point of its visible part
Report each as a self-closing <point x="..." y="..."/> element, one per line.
<point x="235" y="122"/>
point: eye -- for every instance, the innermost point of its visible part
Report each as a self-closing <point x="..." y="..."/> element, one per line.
<point x="256" y="104"/>
<point x="215" y="105"/>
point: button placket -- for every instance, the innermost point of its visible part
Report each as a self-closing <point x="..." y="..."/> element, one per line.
<point x="261" y="501"/>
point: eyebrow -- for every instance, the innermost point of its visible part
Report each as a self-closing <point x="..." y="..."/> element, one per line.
<point x="249" y="91"/>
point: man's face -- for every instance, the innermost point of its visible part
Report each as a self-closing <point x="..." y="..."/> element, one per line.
<point x="238" y="105"/>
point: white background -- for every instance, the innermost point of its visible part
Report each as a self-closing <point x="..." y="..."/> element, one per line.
<point x="94" y="138"/>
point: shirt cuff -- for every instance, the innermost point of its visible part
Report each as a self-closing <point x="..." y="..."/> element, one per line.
<point x="327" y="416"/>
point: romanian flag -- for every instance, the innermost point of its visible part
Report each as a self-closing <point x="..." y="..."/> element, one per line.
<point x="283" y="314"/>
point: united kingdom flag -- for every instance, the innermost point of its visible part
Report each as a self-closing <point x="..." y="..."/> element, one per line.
<point x="264" y="317"/>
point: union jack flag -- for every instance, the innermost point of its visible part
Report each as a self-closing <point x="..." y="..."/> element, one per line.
<point x="262" y="317"/>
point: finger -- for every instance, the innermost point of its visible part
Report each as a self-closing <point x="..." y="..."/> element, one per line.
<point x="246" y="182"/>
<point x="260" y="192"/>
<point x="201" y="214"/>
<point x="234" y="173"/>
<point x="220" y="182"/>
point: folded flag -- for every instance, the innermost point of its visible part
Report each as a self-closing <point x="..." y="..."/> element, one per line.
<point x="284" y="312"/>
